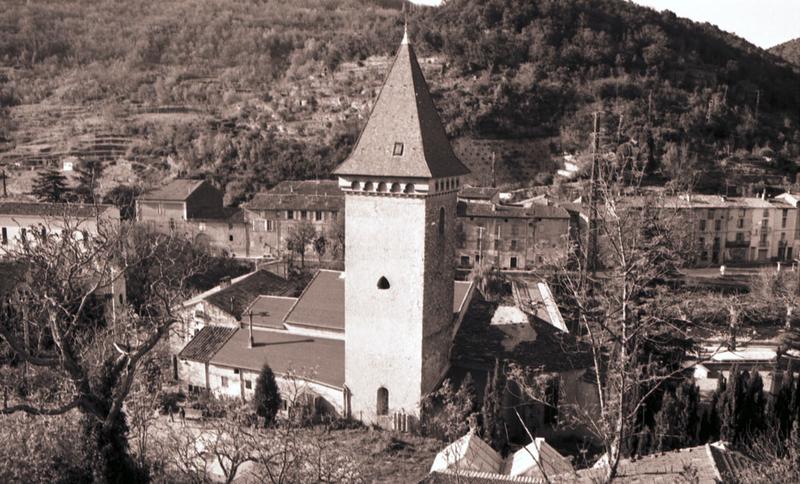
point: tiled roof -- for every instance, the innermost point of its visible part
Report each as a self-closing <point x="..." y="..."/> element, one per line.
<point x="403" y="113"/>
<point x="478" y="193"/>
<point x="269" y="311"/>
<point x="536" y="344"/>
<point x="40" y="209"/>
<point x="296" y="201"/>
<point x="206" y="343"/>
<point x="176" y="190"/>
<point x="235" y="298"/>
<point x="668" y="467"/>
<point x="308" y="187"/>
<point x="322" y="302"/>
<point x="316" y="359"/>
<point x="466" y="209"/>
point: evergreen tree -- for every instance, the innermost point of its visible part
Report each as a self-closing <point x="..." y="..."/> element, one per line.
<point x="50" y="186"/>
<point x="689" y="396"/>
<point x="267" y="398"/>
<point x="494" y="430"/>
<point x="89" y="174"/>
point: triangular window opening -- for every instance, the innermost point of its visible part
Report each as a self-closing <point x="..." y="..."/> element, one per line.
<point x="383" y="283"/>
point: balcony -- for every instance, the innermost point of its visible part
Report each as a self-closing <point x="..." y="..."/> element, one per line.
<point x="737" y="243"/>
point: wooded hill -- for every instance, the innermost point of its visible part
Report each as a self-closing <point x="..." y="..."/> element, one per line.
<point x="249" y="93"/>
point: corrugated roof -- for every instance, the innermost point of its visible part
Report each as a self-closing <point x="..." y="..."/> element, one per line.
<point x="206" y="343"/>
<point x="176" y="190"/>
<point x="322" y="302"/>
<point x="316" y="359"/>
<point x="41" y="209"/>
<point x="235" y="298"/>
<point x="270" y="311"/>
<point x="403" y="113"/>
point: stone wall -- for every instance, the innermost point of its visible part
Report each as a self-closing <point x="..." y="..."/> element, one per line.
<point x="385" y="237"/>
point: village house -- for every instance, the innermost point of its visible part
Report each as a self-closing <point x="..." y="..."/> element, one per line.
<point x="725" y="230"/>
<point x="272" y="216"/>
<point x="506" y="236"/>
<point x="473" y="460"/>
<point x="371" y="342"/>
<point x="195" y="209"/>
<point x="19" y="220"/>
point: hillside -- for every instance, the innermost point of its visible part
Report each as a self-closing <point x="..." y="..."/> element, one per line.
<point x="253" y="92"/>
<point x="790" y="51"/>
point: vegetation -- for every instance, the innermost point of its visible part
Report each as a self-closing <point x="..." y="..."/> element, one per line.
<point x="267" y="398"/>
<point x="64" y="351"/>
<point x="513" y="70"/>
<point x="50" y="186"/>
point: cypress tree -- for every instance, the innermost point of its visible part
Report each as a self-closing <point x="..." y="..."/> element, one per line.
<point x="266" y="398"/>
<point x="492" y="410"/>
<point x="50" y="186"/>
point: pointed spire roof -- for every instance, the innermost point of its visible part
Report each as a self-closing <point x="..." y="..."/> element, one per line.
<point x="403" y="113"/>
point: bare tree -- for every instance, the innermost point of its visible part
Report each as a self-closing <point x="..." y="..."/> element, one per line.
<point x="299" y="237"/>
<point x="58" y="325"/>
<point x="635" y="344"/>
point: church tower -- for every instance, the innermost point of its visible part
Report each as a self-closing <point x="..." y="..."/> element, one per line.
<point x="400" y="185"/>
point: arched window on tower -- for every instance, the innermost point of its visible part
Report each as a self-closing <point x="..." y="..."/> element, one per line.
<point x="355" y="185"/>
<point x="382" y="187"/>
<point x="395" y="188"/>
<point x="441" y="221"/>
<point x="382" y="407"/>
<point x="409" y="188"/>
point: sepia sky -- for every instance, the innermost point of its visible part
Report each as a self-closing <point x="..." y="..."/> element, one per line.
<point x="763" y="22"/>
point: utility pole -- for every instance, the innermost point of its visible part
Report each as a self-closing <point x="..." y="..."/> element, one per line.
<point x="494" y="172"/>
<point x="590" y="255"/>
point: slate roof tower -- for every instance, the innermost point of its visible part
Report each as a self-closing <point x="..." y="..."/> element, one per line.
<point x="400" y="184"/>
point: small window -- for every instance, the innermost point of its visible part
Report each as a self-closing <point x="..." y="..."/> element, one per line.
<point x="289" y="214"/>
<point x="223" y="381"/>
<point x="395" y="188"/>
<point x="318" y="215"/>
<point x="4" y="238"/>
<point x="383" y="401"/>
<point x="398" y="149"/>
<point x="248" y="385"/>
<point x="303" y="215"/>
<point x="355" y="185"/>
<point x="235" y="371"/>
<point x="230" y="238"/>
<point x="381" y="187"/>
<point x="383" y="283"/>
<point x="368" y="187"/>
<point x="409" y="188"/>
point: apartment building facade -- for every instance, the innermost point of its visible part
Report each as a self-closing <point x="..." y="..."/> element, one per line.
<point x="272" y="216"/>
